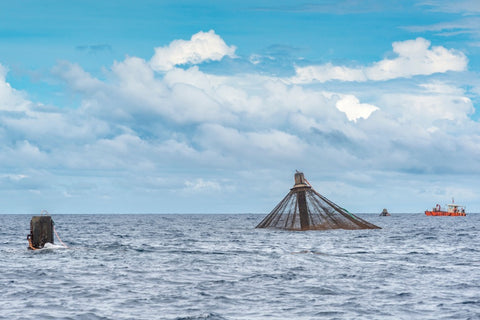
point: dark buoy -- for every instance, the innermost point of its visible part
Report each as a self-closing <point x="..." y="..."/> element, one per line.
<point x="384" y="213"/>
<point x="303" y="208"/>
<point x="41" y="232"/>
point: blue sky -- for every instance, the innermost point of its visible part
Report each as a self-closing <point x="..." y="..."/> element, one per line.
<point x="210" y="107"/>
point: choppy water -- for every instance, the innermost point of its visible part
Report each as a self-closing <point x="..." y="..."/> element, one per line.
<point x="220" y="267"/>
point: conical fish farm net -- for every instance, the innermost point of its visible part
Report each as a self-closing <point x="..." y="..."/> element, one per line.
<point x="303" y="208"/>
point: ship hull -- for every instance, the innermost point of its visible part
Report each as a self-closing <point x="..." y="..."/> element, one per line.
<point x="445" y="213"/>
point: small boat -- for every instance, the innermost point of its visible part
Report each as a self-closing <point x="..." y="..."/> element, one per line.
<point x="453" y="210"/>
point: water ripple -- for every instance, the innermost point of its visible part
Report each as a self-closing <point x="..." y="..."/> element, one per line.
<point x="220" y="267"/>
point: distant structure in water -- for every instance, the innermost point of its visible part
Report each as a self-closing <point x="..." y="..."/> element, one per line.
<point x="41" y="232"/>
<point x="385" y="213"/>
<point x="303" y="208"/>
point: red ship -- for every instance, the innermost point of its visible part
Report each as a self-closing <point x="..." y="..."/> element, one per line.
<point x="453" y="210"/>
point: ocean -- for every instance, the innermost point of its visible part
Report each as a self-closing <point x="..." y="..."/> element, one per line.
<point x="218" y="266"/>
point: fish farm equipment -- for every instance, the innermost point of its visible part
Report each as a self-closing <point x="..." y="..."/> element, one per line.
<point x="303" y="208"/>
<point x="385" y="213"/>
<point x="42" y="229"/>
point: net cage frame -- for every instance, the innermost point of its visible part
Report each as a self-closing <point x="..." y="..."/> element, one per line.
<point x="303" y="208"/>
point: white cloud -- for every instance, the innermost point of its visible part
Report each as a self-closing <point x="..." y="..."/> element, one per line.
<point x="466" y="7"/>
<point x="438" y="87"/>
<point x="14" y="177"/>
<point x="78" y="79"/>
<point x="161" y="133"/>
<point x="134" y="73"/>
<point x="255" y="58"/>
<point x="328" y="72"/>
<point x="234" y="120"/>
<point x="353" y="109"/>
<point x="203" y="46"/>
<point x="429" y="108"/>
<point x="10" y="99"/>
<point x="28" y="153"/>
<point x="414" y="57"/>
<point x="251" y="146"/>
<point x="55" y="127"/>
<point x="201" y="185"/>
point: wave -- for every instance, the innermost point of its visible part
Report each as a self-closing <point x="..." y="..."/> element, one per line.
<point x="50" y="246"/>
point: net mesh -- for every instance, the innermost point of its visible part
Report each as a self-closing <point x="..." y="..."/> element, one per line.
<point x="303" y="208"/>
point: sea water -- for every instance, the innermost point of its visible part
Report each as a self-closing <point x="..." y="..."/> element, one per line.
<point x="220" y="267"/>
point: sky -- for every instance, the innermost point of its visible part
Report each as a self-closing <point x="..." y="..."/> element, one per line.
<point x="210" y="106"/>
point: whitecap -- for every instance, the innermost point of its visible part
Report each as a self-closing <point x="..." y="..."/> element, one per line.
<point x="51" y="246"/>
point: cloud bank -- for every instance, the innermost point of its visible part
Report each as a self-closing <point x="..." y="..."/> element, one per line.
<point x="150" y="129"/>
